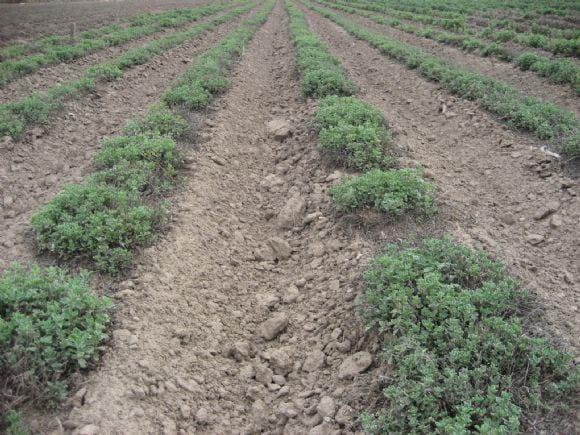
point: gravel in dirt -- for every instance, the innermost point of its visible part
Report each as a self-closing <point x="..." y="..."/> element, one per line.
<point x="492" y="182"/>
<point x="527" y="82"/>
<point x="34" y="169"/>
<point x="20" y="22"/>
<point x="220" y="345"/>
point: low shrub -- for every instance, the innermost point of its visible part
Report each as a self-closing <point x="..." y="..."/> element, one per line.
<point x="462" y="360"/>
<point x="392" y="192"/>
<point x="97" y="222"/>
<point x="353" y="133"/>
<point x="160" y="120"/>
<point x="51" y="325"/>
<point x="557" y="70"/>
<point x="106" y="72"/>
<point x="570" y="146"/>
<point x="159" y="150"/>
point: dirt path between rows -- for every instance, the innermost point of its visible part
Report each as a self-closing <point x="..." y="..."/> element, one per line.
<point x="45" y="78"/>
<point x="527" y="82"/>
<point x="497" y="191"/>
<point x="35" y="168"/>
<point x="253" y="241"/>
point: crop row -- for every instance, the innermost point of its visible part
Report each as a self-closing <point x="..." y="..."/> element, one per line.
<point x="520" y="21"/>
<point x="51" y="324"/>
<point x="545" y="120"/>
<point x="171" y="18"/>
<point x="54" y="54"/>
<point x="557" y="45"/>
<point x="527" y="8"/>
<point x="460" y="356"/>
<point x="16" y="117"/>
<point x="561" y="71"/>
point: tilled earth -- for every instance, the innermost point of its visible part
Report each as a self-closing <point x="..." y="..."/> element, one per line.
<point x="242" y="318"/>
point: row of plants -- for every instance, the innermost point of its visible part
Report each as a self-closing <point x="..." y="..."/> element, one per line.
<point x="16" y="117"/>
<point x="55" y="54"/>
<point x="545" y="120"/>
<point x="557" y="45"/>
<point x="561" y="71"/>
<point x="521" y="21"/>
<point x="353" y="134"/>
<point x="527" y="9"/>
<point x="115" y="210"/>
<point x="51" y="324"/>
<point x="171" y="18"/>
<point x="452" y="321"/>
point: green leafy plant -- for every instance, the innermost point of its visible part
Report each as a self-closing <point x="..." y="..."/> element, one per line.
<point x="392" y="192"/>
<point x="98" y="222"/>
<point x="462" y="359"/>
<point x="160" y="120"/>
<point x="51" y="325"/>
<point x="353" y="133"/>
<point x="570" y="146"/>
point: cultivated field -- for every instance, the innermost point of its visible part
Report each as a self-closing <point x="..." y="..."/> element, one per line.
<point x="290" y="216"/>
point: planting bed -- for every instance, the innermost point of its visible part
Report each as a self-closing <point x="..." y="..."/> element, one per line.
<point x="297" y="219"/>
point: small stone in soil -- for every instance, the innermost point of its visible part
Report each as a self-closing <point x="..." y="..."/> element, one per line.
<point x="272" y="327"/>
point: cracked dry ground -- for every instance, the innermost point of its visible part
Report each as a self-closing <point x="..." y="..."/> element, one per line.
<point x="252" y="242"/>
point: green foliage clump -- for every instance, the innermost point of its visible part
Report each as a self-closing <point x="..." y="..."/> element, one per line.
<point x="98" y="222"/>
<point x="15" y="424"/>
<point x="392" y="192"/>
<point x="160" y="120"/>
<point x="156" y="149"/>
<point x="461" y="356"/>
<point x="353" y="133"/>
<point x="322" y="74"/>
<point x="105" y="72"/>
<point x="557" y="70"/>
<point x="105" y="218"/>
<point x="51" y="325"/>
<point x="208" y="77"/>
<point x="570" y="146"/>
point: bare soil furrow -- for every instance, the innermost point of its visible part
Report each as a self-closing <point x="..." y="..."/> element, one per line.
<point x="48" y="77"/>
<point x="527" y="82"/>
<point x="497" y="189"/>
<point x="253" y="240"/>
<point x="34" y="169"/>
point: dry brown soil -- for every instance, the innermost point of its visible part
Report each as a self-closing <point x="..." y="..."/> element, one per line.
<point x="254" y="239"/>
